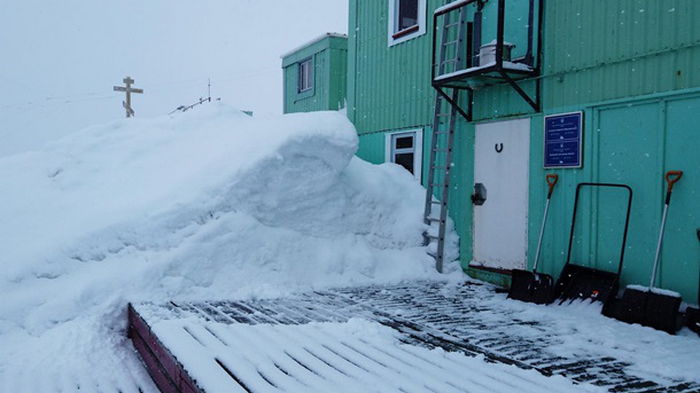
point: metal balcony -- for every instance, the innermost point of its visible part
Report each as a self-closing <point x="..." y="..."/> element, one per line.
<point x="462" y="61"/>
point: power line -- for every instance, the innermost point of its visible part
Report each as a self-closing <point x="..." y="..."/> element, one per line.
<point x="158" y="87"/>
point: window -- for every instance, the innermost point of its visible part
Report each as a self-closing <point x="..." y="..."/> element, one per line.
<point x="406" y="20"/>
<point x="306" y="76"/>
<point x="403" y="155"/>
<point x="407" y="15"/>
<point x="405" y="148"/>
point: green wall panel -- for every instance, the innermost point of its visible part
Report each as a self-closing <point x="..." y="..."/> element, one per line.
<point x="681" y="252"/>
<point x="338" y="71"/>
<point x="372" y="148"/>
<point x="461" y="181"/>
<point x="389" y="87"/>
<point x="629" y="147"/>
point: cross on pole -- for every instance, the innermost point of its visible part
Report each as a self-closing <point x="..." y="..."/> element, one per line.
<point x="128" y="89"/>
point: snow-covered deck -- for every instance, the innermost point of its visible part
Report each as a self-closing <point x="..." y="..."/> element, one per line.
<point x="424" y="336"/>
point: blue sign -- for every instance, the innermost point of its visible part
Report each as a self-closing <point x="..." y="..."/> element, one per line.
<point x="563" y="140"/>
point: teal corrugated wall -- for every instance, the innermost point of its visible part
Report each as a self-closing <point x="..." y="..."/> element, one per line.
<point x="387" y="86"/>
<point x="372" y="147"/>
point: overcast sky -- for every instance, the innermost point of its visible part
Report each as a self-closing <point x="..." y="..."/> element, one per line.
<point x="60" y="58"/>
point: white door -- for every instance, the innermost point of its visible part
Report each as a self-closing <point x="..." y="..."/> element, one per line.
<point x="501" y="166"/>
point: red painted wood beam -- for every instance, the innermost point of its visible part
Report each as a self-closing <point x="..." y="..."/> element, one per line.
<point x="405" y="31"/>
<point x="167" y="372"/>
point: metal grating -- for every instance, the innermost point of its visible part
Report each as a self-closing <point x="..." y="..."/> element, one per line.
<point x="431" y="315"/>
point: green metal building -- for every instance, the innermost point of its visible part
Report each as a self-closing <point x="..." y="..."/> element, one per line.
<point x="627" y="71"/>
<point x="315" y="75"/>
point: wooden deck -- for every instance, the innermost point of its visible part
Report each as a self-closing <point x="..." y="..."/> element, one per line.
<point x="201" y="339"/>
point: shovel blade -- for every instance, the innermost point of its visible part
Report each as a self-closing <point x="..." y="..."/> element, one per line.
<point x="585" y="283"/>
<point x="692" y="319"/>
<point x="530" y="287"/>
<point x="647" y="308"/>
<point x="629" y="308"/>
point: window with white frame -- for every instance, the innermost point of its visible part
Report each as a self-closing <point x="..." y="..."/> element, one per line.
<point x="306" y="75"/>
<point x="405" y="148"/>
<point x="407" y="15"/>
<point x="406" y="20"/>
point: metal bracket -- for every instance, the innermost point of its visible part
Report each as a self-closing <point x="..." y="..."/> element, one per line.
<point x="466" y="115"/>
<point x="535" y="104"/>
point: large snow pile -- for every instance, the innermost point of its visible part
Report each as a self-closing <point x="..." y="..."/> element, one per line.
<point x="207" y="204"/>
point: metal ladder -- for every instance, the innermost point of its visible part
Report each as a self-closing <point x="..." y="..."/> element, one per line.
<point x="452" y="51"/>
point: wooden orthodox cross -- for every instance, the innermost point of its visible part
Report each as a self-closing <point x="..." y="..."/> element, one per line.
<point x="128" y="89"/>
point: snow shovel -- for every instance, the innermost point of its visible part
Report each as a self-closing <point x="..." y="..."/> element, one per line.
<point x="692" y="314"/>
<point x="582" y="282"/>
<point x="650" y="306"/>
<point x="531" y="286"/>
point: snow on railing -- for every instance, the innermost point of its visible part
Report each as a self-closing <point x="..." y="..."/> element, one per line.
<point x="452" y="6"/>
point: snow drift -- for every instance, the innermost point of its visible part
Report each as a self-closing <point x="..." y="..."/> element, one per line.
<point x="202" y="205"/>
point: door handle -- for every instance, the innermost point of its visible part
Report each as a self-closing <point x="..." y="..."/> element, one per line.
<point x="479" y="195"/>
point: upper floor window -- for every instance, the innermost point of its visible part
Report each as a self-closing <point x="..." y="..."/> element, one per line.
<point x="407" y="15"/>
<point x="306" y="75"/>
<point x="406" y="20"/>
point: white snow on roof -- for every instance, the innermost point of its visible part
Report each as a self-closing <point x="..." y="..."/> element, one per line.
<point x="313" y="41"/>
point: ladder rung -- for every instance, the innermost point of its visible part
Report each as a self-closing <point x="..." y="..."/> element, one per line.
<point x="448" y="43"/>
<point x="437" y="166"/>
<point x="447" y="26"/>
<point x="450" y="61"/>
